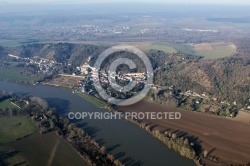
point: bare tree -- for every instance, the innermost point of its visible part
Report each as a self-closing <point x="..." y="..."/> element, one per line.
<point x="40" y="102"/>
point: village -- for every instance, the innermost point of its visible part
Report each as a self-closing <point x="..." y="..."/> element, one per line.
<point x="91" y="74"/>
<point x="87" y="74"/>
<point x="43" y="66"/>
<point x="202" y="102"/>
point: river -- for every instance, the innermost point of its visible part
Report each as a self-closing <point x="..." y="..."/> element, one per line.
<point x="131" y="144"/>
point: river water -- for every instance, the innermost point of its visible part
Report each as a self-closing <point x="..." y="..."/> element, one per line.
<point x="131" y="144"/>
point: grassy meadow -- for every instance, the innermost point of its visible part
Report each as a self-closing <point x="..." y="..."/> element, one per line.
<point x="215" y="50"/>
<point x="92" y="100"/>
<point x="7" y="104"/>
<point x="15" y="127"/>
<point x="207" y="50"/>
<point x="11" y="75"/>
<point x="41" y="149"/>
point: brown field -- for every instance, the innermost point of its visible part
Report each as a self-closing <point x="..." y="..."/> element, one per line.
<point x="221" y="137"/>
<point x="63" y="81"/>
<point x="215" y="50"/>
<point x="202" y="47"/>
<point x="40" y="150"/>
<point x="243" y="117"/>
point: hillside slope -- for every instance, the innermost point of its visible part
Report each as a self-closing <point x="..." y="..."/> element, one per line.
<point x="226" y="78"/>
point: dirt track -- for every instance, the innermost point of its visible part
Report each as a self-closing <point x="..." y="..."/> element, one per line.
<point x="225" y="138"/>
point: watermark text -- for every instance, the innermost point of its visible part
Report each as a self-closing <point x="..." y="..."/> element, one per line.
<point x="126" y="115"/>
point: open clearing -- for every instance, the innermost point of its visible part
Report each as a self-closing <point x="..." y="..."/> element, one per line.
<point x="11" y="75"/>
<point x="225" y="138"/>
<point x="203" y="47"/>
<point x="93" y="100"/>
<point x="208" y="50"/>
<point x="15" y="127"/>
<point x="40" y="150"/>
<point x="9" y="43"/>
<point x="7" y="104"/>
<point x="69" y="82"/>
<point x="215" y="50"/>
<point x="146" y="46"/>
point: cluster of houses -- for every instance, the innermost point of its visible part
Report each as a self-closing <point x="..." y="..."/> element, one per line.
<point x="194" y="94"/>
<point x="19" y="103"/>
<point x="90" y="29"/>
<point x="204" y="96"/>
<point x="44" y="66"/>
<point x="90" y="74"/>
<point x="215" y="99"/>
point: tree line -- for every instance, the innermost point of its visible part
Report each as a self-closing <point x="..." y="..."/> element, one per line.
<point x="48" y="120"/>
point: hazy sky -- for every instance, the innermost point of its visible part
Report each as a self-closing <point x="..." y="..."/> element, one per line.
<point x="224" y="2"/>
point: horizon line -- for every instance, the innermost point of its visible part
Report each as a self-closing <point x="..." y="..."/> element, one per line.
<point x="167" y="3"/>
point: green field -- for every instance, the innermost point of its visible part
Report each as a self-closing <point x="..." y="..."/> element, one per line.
<point x="144" y="46"/>
<point x="165" y="47"/>
<point x="9" y="43"/>
<point x="7" y="104"/>
<point x="182" y="48"/>
<point x="11" y="75"/>
<point x="92" y="100"/>
<point x="216" y="50"/>
<point x="40" y="150"/>
<point x="14" y="127"/>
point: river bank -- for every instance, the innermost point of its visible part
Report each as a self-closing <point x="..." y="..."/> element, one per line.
<point x="178" y="144"/>
<point x="225" y="140"/>
<point x="125" y="140"/>
<point x="220" y="155"/>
